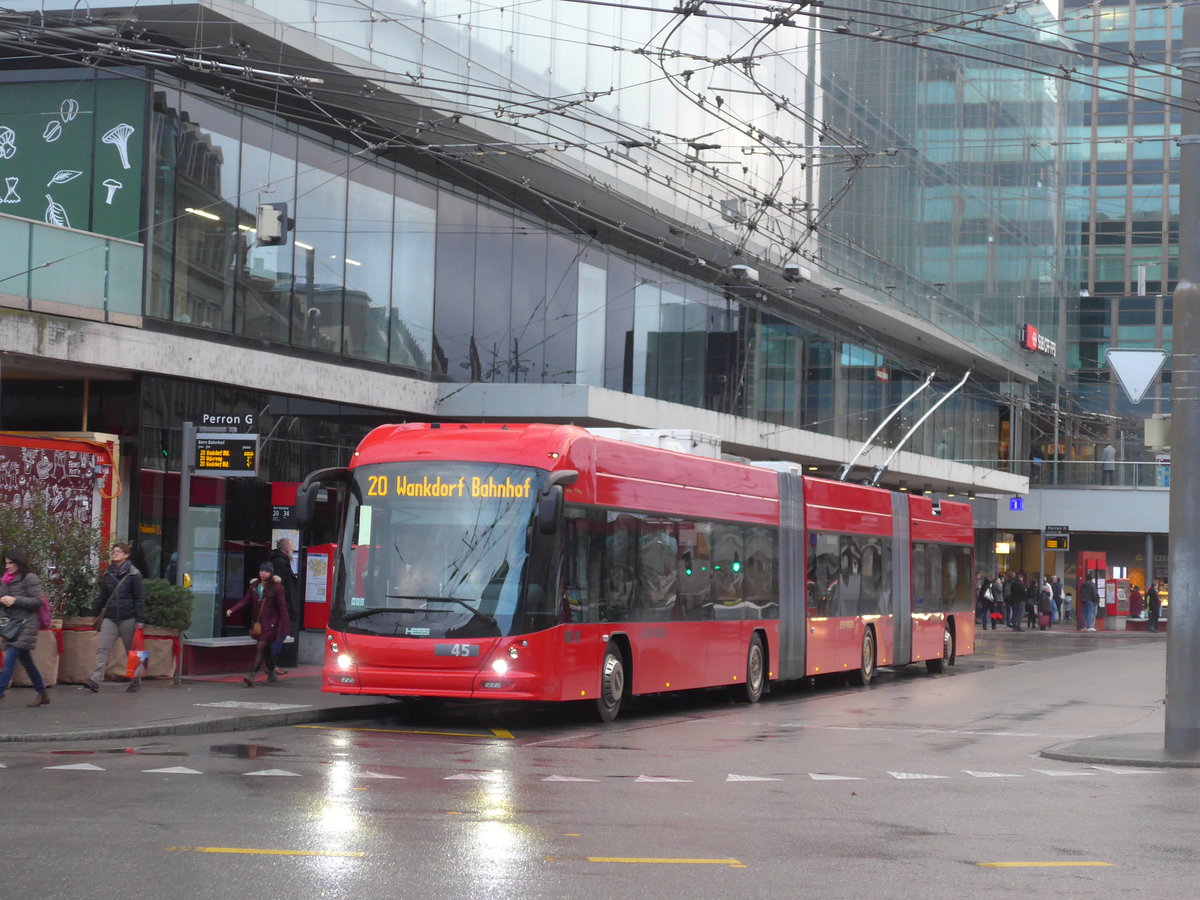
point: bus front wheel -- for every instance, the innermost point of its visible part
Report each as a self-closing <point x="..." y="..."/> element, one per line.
<point x="612" y="684"/>
<point x="751" y="690"/>
<point x="867" y="671"/>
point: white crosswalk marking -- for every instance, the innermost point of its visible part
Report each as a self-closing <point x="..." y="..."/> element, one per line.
<point x="567" y="778"/>
<point x="904" y="775"/>
<point x="468" y="776"/>
<point x="991" y="774"/>
<point x="174" y="770"/>
<point x="1126" y="770"/>
<point x="78" y="767"/>
<point x="1057" y="773"/>
<point x="662" y="779"/>
<point x="270" y="772"/>
<point x="817" y="776"/>
<point x="749" y="778"/>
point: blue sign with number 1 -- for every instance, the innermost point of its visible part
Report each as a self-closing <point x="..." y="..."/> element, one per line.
<point x="1016" y="504"/>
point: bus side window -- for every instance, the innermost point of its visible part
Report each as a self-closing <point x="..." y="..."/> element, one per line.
<point x="620" y="568"/>
<point x="657" y="571"/>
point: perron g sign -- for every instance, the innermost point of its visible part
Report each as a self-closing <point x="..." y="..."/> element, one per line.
<point x="227" y="454"/>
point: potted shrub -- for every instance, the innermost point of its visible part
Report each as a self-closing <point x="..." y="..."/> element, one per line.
<point x="64" y="553"/>
<point x="168" y="614"/>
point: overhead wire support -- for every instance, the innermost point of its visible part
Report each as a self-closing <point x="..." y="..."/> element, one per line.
<point x="845" y="470"/>
<point x="878" y="471"/>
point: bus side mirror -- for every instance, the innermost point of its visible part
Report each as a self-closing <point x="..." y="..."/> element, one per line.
<point x="306" y="494"/>
<point x="550" y="499"/>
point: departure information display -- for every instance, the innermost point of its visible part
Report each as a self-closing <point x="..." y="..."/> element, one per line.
<point x="227" y="454"/>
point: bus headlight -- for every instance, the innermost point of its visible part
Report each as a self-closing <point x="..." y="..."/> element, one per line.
<point x="499" y="666"/>
<point x="344" y="661"/>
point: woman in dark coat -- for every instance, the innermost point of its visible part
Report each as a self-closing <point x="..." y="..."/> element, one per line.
<point x="266" y="599"/>
<point x="22" y="598"/>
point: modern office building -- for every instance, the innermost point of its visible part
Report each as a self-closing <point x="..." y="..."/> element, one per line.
<point x="767" y="225"/>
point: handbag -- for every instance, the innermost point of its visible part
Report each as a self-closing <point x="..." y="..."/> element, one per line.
<point x="98" y="622"/>
<point x="10" y="628"/>
<point x="987" y="594"/>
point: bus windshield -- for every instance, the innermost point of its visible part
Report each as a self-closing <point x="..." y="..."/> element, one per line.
<point x="435" y="549"/>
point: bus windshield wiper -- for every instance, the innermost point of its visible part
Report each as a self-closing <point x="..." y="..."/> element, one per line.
<point x="363" y="613"/>
<point x="468" y="607"/>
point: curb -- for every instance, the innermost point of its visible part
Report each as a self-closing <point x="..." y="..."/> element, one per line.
<point x="208" y="725"/>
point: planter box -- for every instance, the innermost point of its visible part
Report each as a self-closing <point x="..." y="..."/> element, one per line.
<point x="160" y="642"/>
<point x="79" y="650"/>
<point x="45" y="657"/>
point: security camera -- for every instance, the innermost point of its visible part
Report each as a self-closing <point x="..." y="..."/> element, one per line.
<point x="797" y="272"/>
<point x="745" y="273"/>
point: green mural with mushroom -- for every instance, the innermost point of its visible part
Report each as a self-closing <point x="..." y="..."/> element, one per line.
<point x="72" y="153"/>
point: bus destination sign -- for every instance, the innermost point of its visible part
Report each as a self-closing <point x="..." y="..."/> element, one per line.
<point x="227" y="454"/>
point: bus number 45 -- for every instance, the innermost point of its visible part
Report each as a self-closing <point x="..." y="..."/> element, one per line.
<point x="456" y="650"/>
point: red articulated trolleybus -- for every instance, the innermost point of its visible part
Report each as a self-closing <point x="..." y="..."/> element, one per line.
<point x="542" y="562"/>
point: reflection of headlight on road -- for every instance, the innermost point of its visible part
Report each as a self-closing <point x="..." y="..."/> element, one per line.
<point x="499" y="666"/>
<point x="344" y="661"/>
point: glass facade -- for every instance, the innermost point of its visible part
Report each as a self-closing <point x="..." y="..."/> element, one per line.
<point x="909" y="176"/>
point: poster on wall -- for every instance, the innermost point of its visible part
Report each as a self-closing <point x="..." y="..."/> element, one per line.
<point x="71" y="153"/>
<point x="63" y="476"/>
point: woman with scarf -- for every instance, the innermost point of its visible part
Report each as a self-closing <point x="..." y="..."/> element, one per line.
<point x="22" y="598"/>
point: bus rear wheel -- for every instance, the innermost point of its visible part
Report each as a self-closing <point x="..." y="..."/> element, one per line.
<point x="867" y="671"/>
<point x="751" y="690"/>
<point x="938" y="666"/>
<point x="612" y="684"/>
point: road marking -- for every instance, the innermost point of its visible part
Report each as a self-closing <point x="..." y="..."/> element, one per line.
<point x="254" y="851"/>
<point x="1057" y="773"/>
<point x="991" y="774"/>
<point x="749" y="778"/>
<point x="662" y="779"/>
<point x="243" y="704"/>
<point x="379" y="775"/>
<point x="77" y="767"/>
<point x="667" y="861"/>
<point x="1039" y="865"/>
<point x="1125" y="770"/>
<point x="174" y="770"/>
<point x="817" y="776"/>
<point x="904" y="775"/>
<point x="471" y="776"/>
<point x="567" y="778"/>
<point x="274" y="772"/>
<point x="496" y="732"/>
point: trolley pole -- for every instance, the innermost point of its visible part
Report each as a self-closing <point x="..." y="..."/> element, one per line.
<point x="1182" y="732"/>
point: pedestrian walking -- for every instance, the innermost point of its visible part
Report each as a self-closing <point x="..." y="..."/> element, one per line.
<point x="1137" y="603"/>
<point x="265" y="598"/>
<point x="1089" y="597"/>
<point x="1153" y="606"/>
<point x="1045" y="606"/>
<point x="1057" y="593"/>
<point x="121" y="608"/>
<point x="1018" y="596"/>
<point x="21" y="600"/>
<point x="281" y="559"/>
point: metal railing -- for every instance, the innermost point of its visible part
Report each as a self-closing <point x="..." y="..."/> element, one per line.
<point x="1124" y="474"/>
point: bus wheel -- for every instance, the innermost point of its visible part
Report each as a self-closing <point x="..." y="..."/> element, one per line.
<point x="937" y="666"/>
<point x="751" y="690"/>
<point x="867" y="671"/>
<point x="612" y="684"/>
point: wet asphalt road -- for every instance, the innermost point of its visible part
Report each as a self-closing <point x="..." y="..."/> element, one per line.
<point x="918" y="785"/>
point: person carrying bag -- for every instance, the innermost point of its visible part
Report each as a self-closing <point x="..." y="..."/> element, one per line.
<point x="19" y="606"/>
<point x="266" y="598"/>
<point x="120" y="610"/>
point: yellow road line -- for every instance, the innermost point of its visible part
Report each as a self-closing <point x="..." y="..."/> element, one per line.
<point x="253" y="851"/>
<point x="666" y="861"/>
<point x="1027" y="865"/>
<point x="497" y="732"/>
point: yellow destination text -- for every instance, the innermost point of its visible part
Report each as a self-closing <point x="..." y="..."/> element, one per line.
<point x="427" y="488"/>
<point x="493" y="488"/>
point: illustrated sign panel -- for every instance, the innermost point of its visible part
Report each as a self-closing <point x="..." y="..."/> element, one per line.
<point x="64" y="476"/>
<point x="71" y="153"/>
